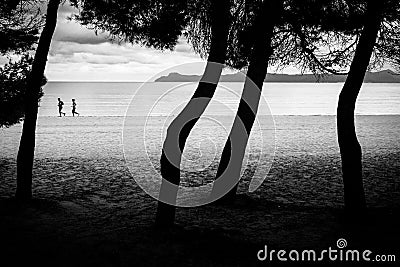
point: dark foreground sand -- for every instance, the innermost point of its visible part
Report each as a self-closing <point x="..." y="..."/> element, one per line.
<point x="89" y="211"/>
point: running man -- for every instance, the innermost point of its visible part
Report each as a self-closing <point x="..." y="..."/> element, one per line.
<point x="60" y="107"/>
<point x="74" y="108"/>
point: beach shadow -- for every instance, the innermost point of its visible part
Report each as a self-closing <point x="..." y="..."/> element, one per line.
<point x="69" y="233"/>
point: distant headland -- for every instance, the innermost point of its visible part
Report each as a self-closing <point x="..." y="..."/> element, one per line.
<point x="384" y="76"/>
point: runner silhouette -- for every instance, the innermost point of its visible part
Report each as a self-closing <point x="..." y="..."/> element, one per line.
<point x="60" y="107"/>
<point x="74" y="108"/>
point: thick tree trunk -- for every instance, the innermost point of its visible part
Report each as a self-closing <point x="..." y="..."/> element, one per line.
<point x="26" y="150"/>
<point x="182" y="125"/>
<point x="248" y="106"/>
<point x="350" y="148"/>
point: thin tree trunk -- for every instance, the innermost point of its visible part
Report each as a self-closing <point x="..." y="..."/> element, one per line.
<point x="26" y="150"/>
<point x="350" y="148"/>
<point x="182" y="125"/>
<point x="248" y="106"/>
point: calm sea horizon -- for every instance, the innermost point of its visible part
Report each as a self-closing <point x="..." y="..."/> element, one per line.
<point x="113" y="98"/>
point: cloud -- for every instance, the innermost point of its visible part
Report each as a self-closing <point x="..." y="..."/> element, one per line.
<point x="105" y="53"/>
<point x="3" y="61"/>
<point x="110" y="61"/>
<point x="78" y="53"/>
<point x="71" y="31"/>
<point x="183" y="47"/>
<point x="82" y="38"/>
<point x="67" y="9"/>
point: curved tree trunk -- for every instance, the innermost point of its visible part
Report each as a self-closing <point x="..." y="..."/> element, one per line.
<point x="350" y="148"/>
<point x="247" y="111"/>
<point x="26" y="150"/>
<point x="182" y="125"/>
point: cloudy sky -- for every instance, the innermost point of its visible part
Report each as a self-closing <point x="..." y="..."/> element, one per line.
<point x="78" y="54"/>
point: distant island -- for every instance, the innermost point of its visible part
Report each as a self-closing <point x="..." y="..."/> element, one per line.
<point x="385" y="76"/>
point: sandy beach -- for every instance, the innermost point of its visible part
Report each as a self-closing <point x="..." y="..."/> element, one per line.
<point x="79" y="157"/>
<point x="87" y="197"/>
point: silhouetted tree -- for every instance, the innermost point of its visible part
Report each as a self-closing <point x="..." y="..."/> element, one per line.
<point x="27" y="144"/>
<point x="358" y="34"/>
<point x="321" y="36"/>
<point x="156" y="24"/>
<point x="13" y="80"/>
<point x="246" y="114"/>
<point x="180" y="128"/>
<point x="270" y="16"/>
<point x="289" y="45"/>
<point x="207" y="26"/>
<point x="151" y="23"/>
<point x="20" y="22"/>
<point x="159" y="24"/>
<point x="350" y="148"/>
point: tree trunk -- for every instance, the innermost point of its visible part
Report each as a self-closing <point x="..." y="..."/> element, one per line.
<point x="26" y="150"/>
<point x="247" y="111"/>
<point x="350" y="148"/>
<point x="182" y="125"/>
